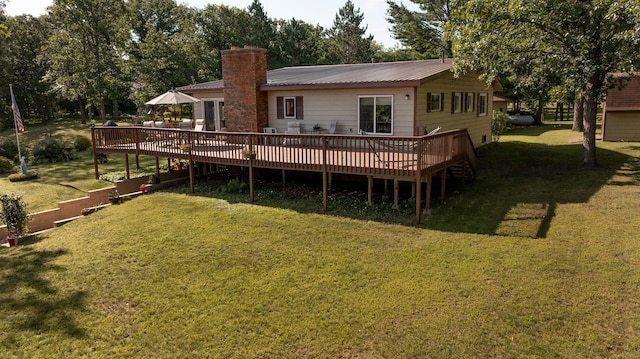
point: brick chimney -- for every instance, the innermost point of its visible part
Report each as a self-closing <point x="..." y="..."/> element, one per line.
<point x="245" y="106"/>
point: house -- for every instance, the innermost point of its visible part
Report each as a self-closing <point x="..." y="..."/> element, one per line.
<point x="501" y="103"/>
<point x="621" y="112"/>
<point x="389" y="99"/>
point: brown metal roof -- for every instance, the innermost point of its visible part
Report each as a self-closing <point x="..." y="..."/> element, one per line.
<point x="388" y="74"/>
<point x="625" y="99"/>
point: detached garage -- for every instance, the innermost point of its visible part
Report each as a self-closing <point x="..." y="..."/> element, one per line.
<point x="621" y="112"/>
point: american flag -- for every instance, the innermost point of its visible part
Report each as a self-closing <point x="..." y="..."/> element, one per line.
<point x="16" y="112"/>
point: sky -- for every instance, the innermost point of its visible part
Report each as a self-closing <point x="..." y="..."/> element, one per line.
<point x="321" y="12"/>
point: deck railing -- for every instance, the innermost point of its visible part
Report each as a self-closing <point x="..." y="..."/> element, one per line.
<point x="383" y="156"/>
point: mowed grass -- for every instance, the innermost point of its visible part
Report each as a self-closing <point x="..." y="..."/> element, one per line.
<point x="536" y="258"/>
<point x="63" y="180"/>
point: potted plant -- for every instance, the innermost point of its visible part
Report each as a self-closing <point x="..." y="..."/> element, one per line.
<point x="248" y="153"/>
<point x="185" y="147"/>
<point x="15" y="216"/>
<point x="153" y="179"/>
<point x="114" y="197"/>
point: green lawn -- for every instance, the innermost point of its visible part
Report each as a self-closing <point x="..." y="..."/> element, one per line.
<point x="536" y="258"/>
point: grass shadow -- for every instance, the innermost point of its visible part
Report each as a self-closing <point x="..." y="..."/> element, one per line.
<point x="29" y="303"/>
<point x="520" y="186"/>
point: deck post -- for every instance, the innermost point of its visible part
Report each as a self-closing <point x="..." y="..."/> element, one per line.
<point x="396" y="186"/>
<point x="419" y="183"/>
<point x="251" y="189"/>
<point x="325" y="186"/>
<point x="158" y="168"/>
<point x="386" y="186"/>
<point x="443" y="185"/>
<point x="427" y="205"/>
<point x="370" y="190"/>
<point x="136" y="136"/>
<point x="95" y="158"/>
<point x="284" y="179"/>
<point x="330" y="182"/>
<point x="126" y="164"/>
<point x="191" y="162"/>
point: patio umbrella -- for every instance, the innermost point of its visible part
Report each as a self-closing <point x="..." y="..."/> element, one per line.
<point x="173" y="97"/>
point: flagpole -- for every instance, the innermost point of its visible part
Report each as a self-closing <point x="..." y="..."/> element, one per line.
<point x="23" y="165"/>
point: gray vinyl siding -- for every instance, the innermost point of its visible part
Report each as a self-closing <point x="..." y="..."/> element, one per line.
<point x="323" y="106"/>
<point x="198" y="108"/>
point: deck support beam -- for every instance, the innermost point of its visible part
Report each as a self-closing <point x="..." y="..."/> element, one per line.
<point x="126" y="164"/>
<point x="443" y="186"/>
<point x="284" y="179"/>
<point x="95" y="155"/>
<point x="396" y="188"/>
<point x="325" y="174"/>
<point x="419" y="184"/>
<point x="370" y="190"/>
<point x="427" y="205"/>
<point x="158" y="168"/>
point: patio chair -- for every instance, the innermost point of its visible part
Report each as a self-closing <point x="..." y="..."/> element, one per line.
<point x="199" y="125"/>
<point x="158" y="124"/>
<point x="267" y="140"/>
<point x="332" y="127"/>
<point x="186" y="124"/>
<point x="292" y="128"/>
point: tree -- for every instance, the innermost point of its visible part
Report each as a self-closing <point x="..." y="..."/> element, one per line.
<point x="26" y="67"/>
<point x="421" y="31"/>
<point x="581" y="42"/>
<point x="163" y="47"/>
<point x="3" y="28"/>
<point x="297" y="43"/>
<point x="347" y="43"/>
<point x="85" y="52"/>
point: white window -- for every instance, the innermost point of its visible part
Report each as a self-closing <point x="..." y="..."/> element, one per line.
<point x="375" y="114"/>
<point x="469" y="101"/>
<point x="457" y="102"/>
<point x="289" y="107"/>
<point x="482" y="104"/>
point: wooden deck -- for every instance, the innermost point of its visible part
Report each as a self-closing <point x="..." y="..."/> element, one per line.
<point x="415" y="159"/>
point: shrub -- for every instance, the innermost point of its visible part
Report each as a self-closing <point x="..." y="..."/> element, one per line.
<point x="19" y="177"/>
<point x="14" y="214"/>
<point x="48" y="149"/>
<point x="234" y="186"/>
<point x="82" y="143"/>
<point x="9" y="149"/>
<point x="498" y="124"/>
<point x="5" y="165"/>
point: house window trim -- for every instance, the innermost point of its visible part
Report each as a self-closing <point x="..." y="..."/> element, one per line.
<point x="454" y="108"/>
<point x="483" y="103"/>
<point x="470" y="105"/>
<point x="375" y="97"/>
<point x="298" y="107"/>
<point x="286" y="100"/>
<point x="431" y="101"/>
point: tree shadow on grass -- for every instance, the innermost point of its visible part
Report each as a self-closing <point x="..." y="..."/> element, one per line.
<point x="29" y="301"/>
<point x="520" y="186"/>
